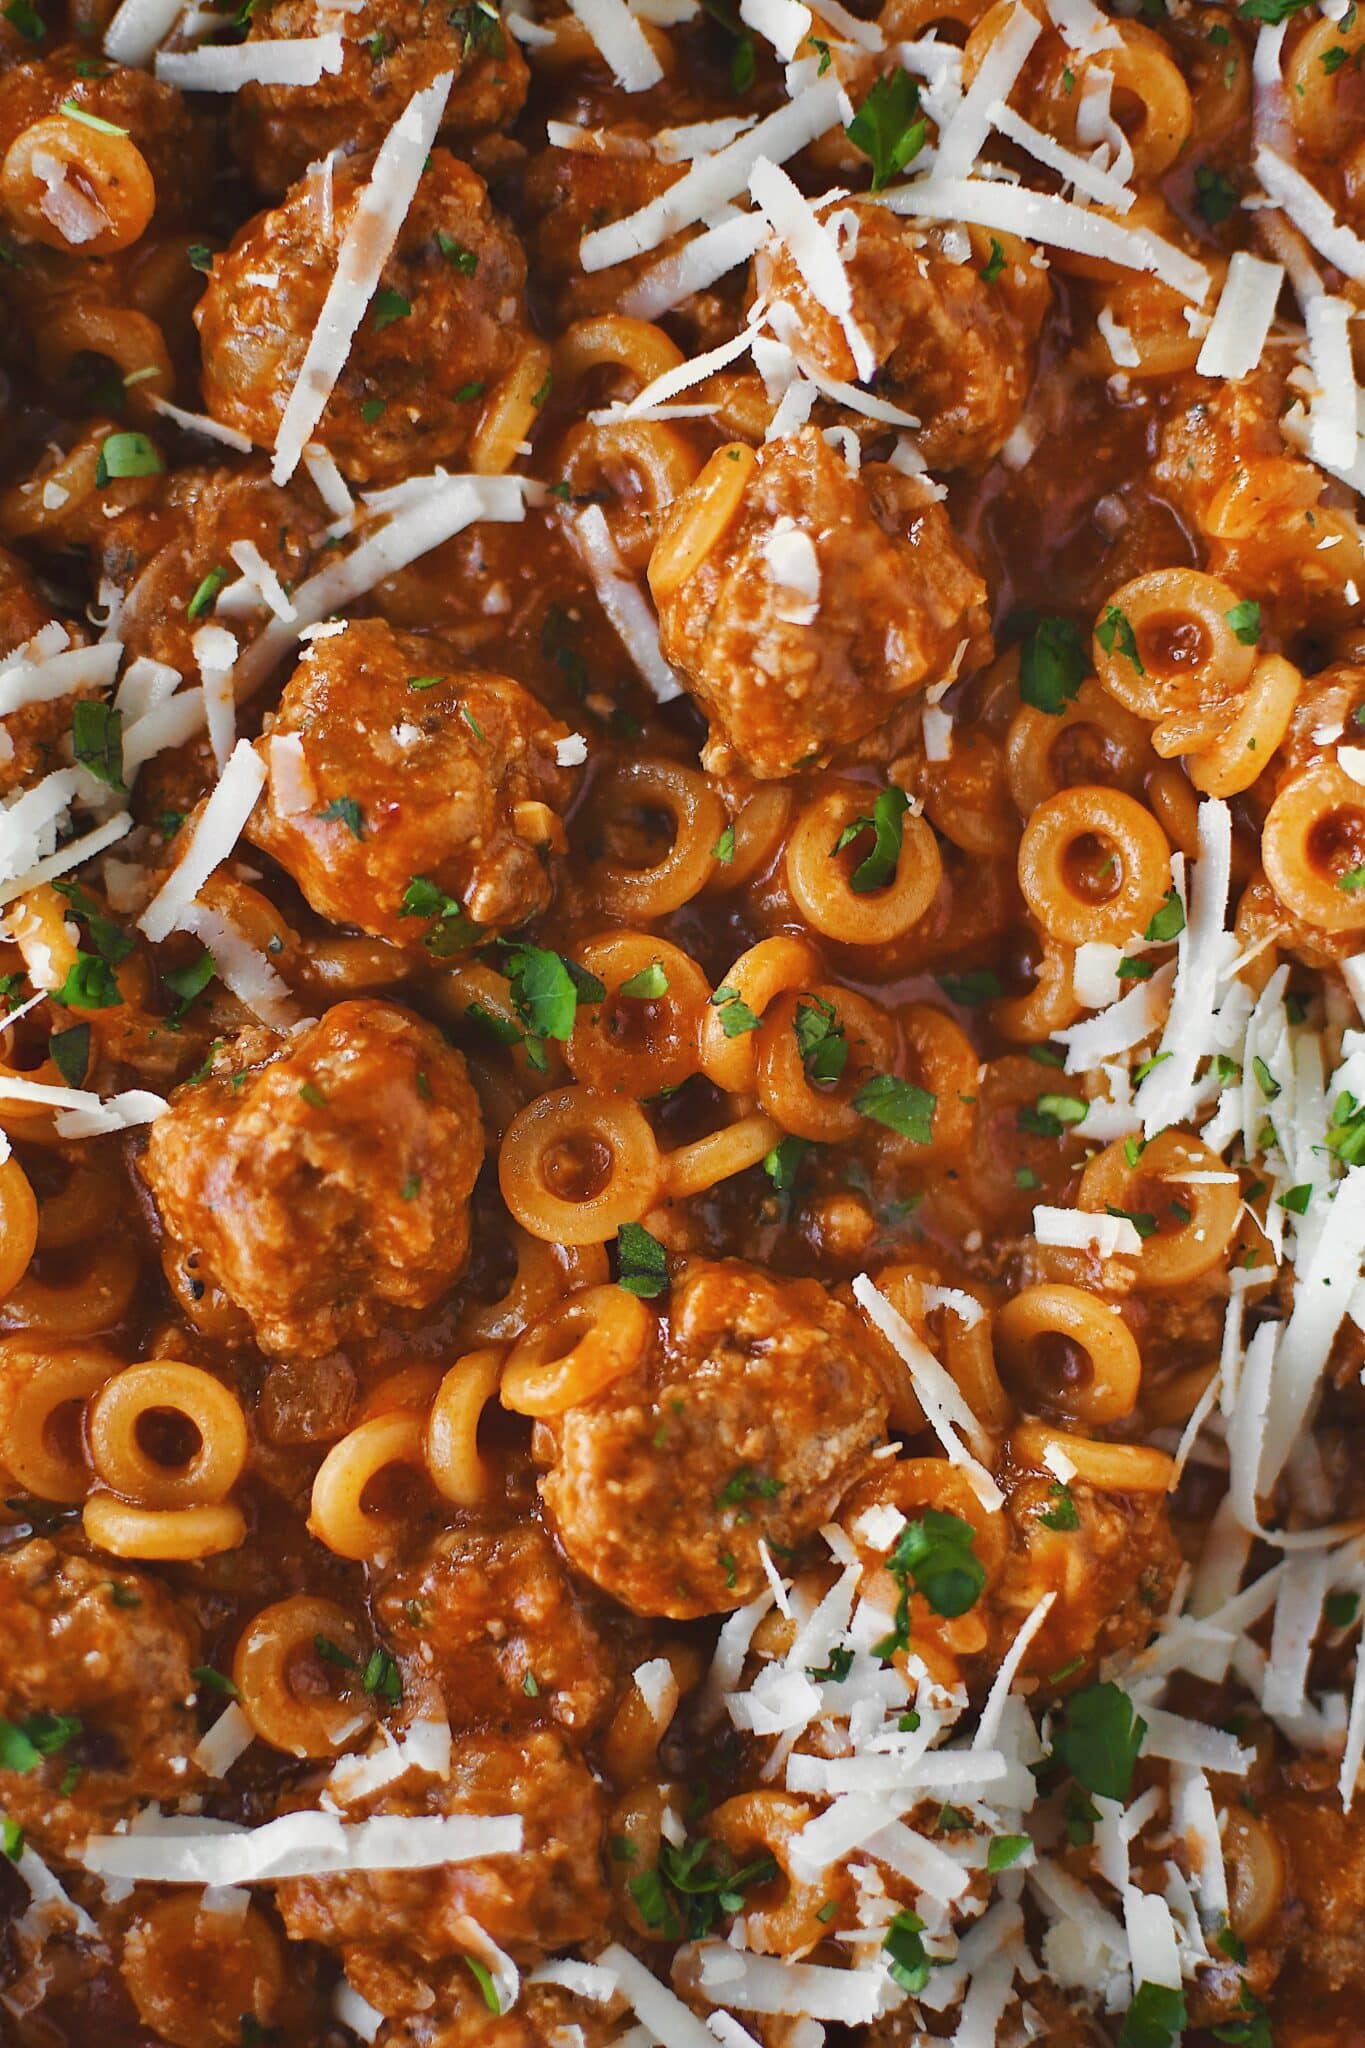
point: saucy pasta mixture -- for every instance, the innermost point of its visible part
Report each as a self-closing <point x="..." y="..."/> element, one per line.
<point x="682" y="1081"/>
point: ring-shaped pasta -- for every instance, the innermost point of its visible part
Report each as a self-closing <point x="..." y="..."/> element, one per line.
<point x="76" y="188"/>
<point x="1109" y="1468"/>
<point x="1259" y="723"/>
<point x="1061" y="881"/>
<point x="44" y="1450"/>
<point x="338" y="1516"/>
<point x="197" y="1976"/>
<point x="196" y="1405"/>
<point x="1051" y="1005"/>
<point x="1092" y="739"/>
<point x="575" y="1165"/>
<point x="162" y="1535"/>
<point x="617" y="341"/>
<point x="1254" y="1861"/>
<point x="1189" y="1235"/>
<point x="1257" y="495"/>
<point x="1175" y="806"/>
<point x="638" y="894"/>
<point x="823" y="1114"/>
<point x="785" y="1915"/>
<point x="574" y="1354"/>
<point x="80" y="1304"/>
<point x="1158" y="113"/>
<point x="638" y="1044"/>
<point x="459" y="1470"/>
<point x="543" y="1275"/>
<point x="134" y="344"/>
<point x="913" y="1485"/>
<point x="411" y="1386"/>
<point x="1063" y="1351"/>
<point x="964" y="796"/>
<point x="640" y="468"/>
<point x="698" y="518"/>
<point x="1166" y="649"/>
<point x="1150" y="316"/>
<point x="18" y="1224"/>
<point x="88" y="1200"/>
<point x="297" y="1700"/>
<point x="942" y="1059"/>
<point x="822" y="882"/>
<point x="1313" y="847"/>
<point x="630" y="1746"/>
<point x="729" y="1054"/>
<point x="759" y="826"/>
<point x="693" y="1168"/>
<point x="509" y="413"/>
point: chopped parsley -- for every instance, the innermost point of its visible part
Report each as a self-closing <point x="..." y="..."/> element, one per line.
<point x="70" y="1052"/>
<point x="1063" y="1515"/>
<point x="1115" y="633"/>
<point x="646" y="986"/>
<point x="1053" y="663"/>
<point x="978" y="985"/>
<point x="25" y="19"/>
<point x="906" y="1957"/>
<point x="206" y="594"/>
<point x="126" y="454"/>
<point x="693" y="1886"/>
<point x="878" y="870"/>
<point x="1051" y="1115"/>
<point x="1168" y="922"/>
<point x="820" y="1040"/>
<point x="389" y="306"/>
<point x="97" y="742"/>
<point x="888" y="127"/>
<point x="736" y="1018"/>
<point x="214" y="1681"/>
<point x="900" y="1105"/>
<point x="346" y="811"/>
<point x="1245" y="621"/>
<point x="1004" y="1852"/>
<point x="932" y="1556"/>
<point x="89" y="985"/>
<point x="641" y="1262"/>
<point x="1100" y="1739"/>
<point x="452" y="928"/>
<point x="457" y="256"/>
<point x="1155" y="2019"/>
<point x="992" y="269"/>
<point x="783" y="1163"/>
<point x="724" y="848"/>
<point x="1217" y="199"/>
<point x="483" y="1977"/>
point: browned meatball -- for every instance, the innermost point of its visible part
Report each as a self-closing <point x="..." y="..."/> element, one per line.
<point x="34" y="731"/>
<point x="750" y="1416"/>
<point x="442" y="774"/>
<point x="159" y="554"/>
<point x="393" y="48"/>
<point x="110" y="1649"/>
<point x="487" y="1610"/>
<point x="569" y="192"/>
<point x="953" y="348"/>
<point x="545" y="1896"/>
<point x="152" y="114"/>
<point x="322" y="1187"/>
<point x="447" y="321"/>
<point x="789" y="675"/>
<point x="1112" y="1573"/>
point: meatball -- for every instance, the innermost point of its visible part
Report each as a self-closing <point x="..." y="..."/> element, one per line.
<point x="29" y="737"/>
<point x="544" y="2016"/>
<point x="325" y="1185"/>
<point x="408" y="768"/>
<point x="1110" y="1558"/>
<point x="545" y="1896"/>
<point x="393" y="48"/>
<point x="749" y="1417"/>
<point x="171" y="554"/>
<point x="97" y="1675"/>
<point x="152" y="114"/>
<point x="948" y="345"/>
<point x="828" y="598"/>
<point x="446" y="322"/>
<point x="486" y="1610"/>
<point x="569" y="192"/>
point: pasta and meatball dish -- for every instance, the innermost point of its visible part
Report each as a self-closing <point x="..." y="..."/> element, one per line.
<point x="682" y="1068"/>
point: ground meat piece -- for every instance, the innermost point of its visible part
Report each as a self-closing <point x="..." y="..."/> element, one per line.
<point x="484" y="1609"/>
<point x="1112" y="1572"/>
<point x="749" y="1417"/>
<point x="544" y="2016"/>
<point x="1256" y="509"/>
<point x="330" y="1187"/>
<point x="452" y="774"/>
<point x="569" y="192"/>
<point x="446" y="322"/>
<point x="784" y="684"/>
<point x="34" y="730"/>
<point x="954" y="349"/>
<point x="1324" y="1857"/>
<point x="158" y="555"/>
<point x="393" y="48"/>
<point x="547" y="1895"/>
<point x="152" y="114"/>
<point x="110" y="1648"/>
